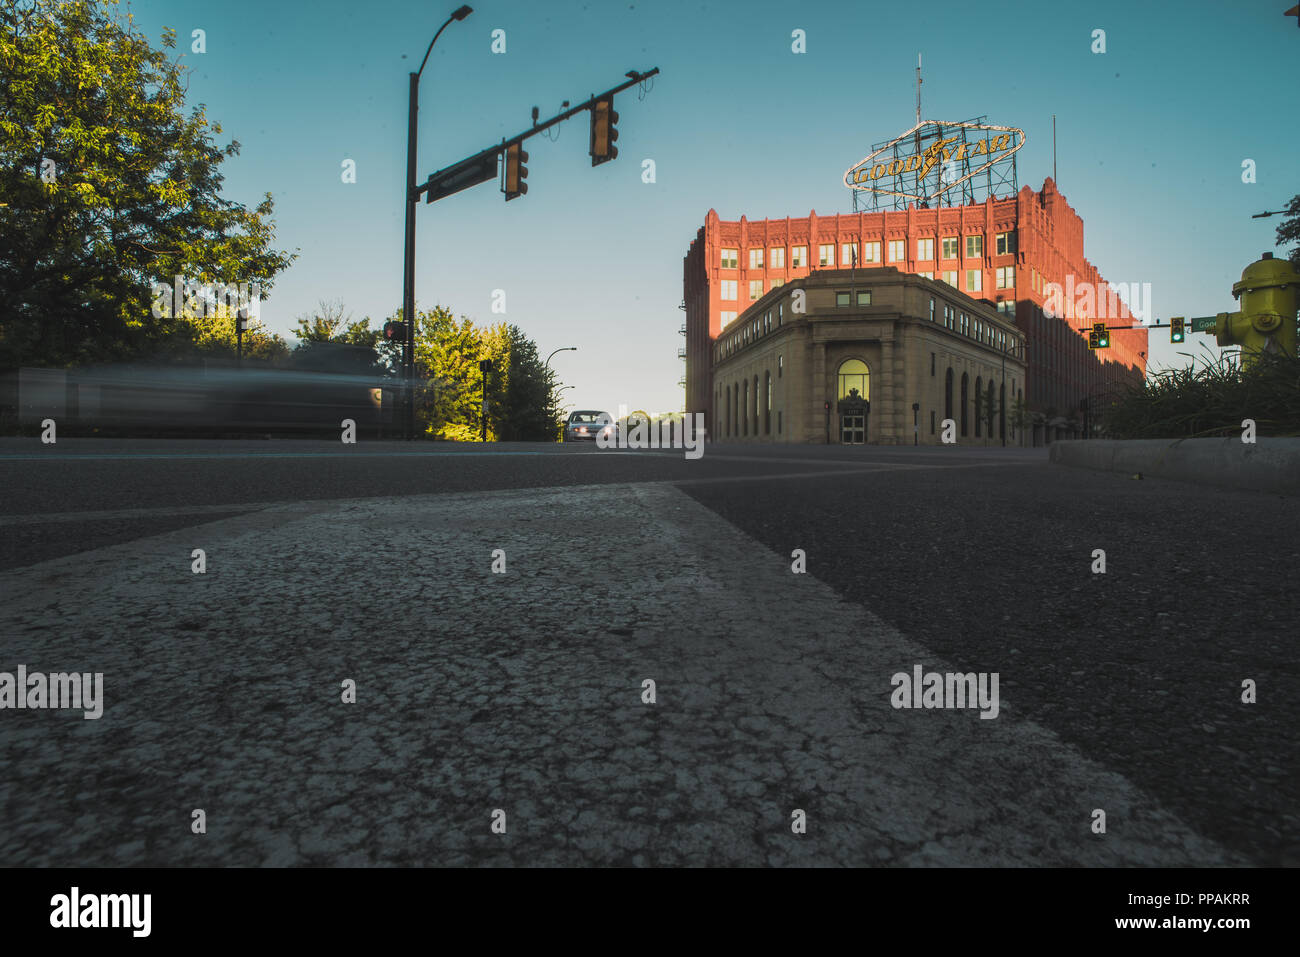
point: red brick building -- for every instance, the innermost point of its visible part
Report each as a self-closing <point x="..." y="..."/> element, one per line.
<point x="1006" y="251"/>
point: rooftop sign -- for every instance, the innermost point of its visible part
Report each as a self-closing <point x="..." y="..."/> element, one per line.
<point x="932" y="158"/>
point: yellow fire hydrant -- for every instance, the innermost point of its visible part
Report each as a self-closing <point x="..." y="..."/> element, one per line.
<point x="1269" y="292"/>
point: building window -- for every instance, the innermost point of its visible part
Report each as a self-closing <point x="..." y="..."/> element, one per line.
<point x="965" y="402"/>
<point x="848" y="254"/>
<point x="778" y="421"/>
<point x="727" y="317"/>
<point x="798" y="256"/>
<point x="871" y="252"/>
<point x="931" y="363"/>
<point x="974" y="280"/>
<point x="926" y="275"/>
<point x="756" y="259"/>
<point x="1007" y="307"/>
<point x="756" y="289"/>
<point x="864" y="297"/>
<point x="780" y="365"/>
<point x="932" y="308"/>
<point x="729" y="288"/>
<point x="989" y="410"/>
<point x="950" y="277"/>
<point x="979" y="405"/>
<point x="767" y="321"/>
<point x="826" y="254"/>
<point x="1006" y="243"/>
<point x="780" y="313"/>
<point x="777" y="258"/>
<point x="854" y="374"/>
<point x="932" y="421"/>
<point x="776" y="283"/>
<point x="965" y="324"/>
<point x="974" y="247"/>
<point x="1006" y="277"/>
<point x="841" y="299"/>
<point x="947" y="394"/>
<point x="767" y="416"/>
<point x="744" y="414"/>
<point x="730" y="258"/>
<point x="950" y="247"/>
<point x="897" y="250"/>
<point x="925" y="249"/>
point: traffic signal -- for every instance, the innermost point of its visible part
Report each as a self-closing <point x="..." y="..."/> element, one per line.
<point x="516" y="171"/>
<point x="1101" y="334"/>
<point x="393" y="331"/>
<point x="1176" y="329"/>
<point x="603" y="132"/>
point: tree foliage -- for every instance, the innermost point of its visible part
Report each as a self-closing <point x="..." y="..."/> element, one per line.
<point x="1289" y="230"/>
<point x="107" y="187"/>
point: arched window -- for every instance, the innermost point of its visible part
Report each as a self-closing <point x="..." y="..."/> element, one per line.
<point x="728" y="419"/>
<point x="965" y="401"/>
<point x="947" y="394"/>
<point x="1002" y="410"/>
<point x="979" y="398"/>
<point x="767" y="415"/>
<point x="854" y="374"/>
<point x="735" y="411"/>
<point x="758" y="401"/>
<point x="988" y="409"/>
<point x="744" y="412"/>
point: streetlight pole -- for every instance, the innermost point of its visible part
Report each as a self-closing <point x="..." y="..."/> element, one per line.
<point x="412" y="199"/>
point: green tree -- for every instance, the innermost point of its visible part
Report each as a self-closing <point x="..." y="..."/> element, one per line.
<point x="330" y="340"/>
<point x="525" y="412"/>
<point x="107" y="187"/>
<point x="1289" y="230"/>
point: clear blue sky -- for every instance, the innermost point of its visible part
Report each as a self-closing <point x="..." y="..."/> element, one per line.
<point x="1151" y="138"/>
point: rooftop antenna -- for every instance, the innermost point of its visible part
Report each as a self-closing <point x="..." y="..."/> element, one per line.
<point x="917" y="143"/>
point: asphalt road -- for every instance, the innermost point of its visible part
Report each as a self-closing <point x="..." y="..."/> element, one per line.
<point x="522" y="691"/>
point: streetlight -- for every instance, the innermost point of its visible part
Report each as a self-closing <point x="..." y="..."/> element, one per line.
<point x="564" y="349"/>
<point x="412" y="198"/>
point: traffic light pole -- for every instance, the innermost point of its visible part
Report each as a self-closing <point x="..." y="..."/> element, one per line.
<point x="470" y="171"/>
<point x="408" y="262"/>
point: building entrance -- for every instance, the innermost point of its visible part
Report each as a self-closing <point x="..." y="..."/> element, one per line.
<point x="853" y="429"/>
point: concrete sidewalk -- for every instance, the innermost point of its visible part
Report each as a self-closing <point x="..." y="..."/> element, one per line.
<point x="521" y="692"/>
<point x="1267" y="465"/>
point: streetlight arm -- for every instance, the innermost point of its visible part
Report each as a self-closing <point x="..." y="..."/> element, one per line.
<point x="460" y="13"/>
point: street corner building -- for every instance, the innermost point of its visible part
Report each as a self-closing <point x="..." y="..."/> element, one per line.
<point x="928" y="311"/>
<point x="852" y="356"/>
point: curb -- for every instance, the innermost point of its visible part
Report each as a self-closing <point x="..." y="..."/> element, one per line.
<point x="1267" y="465"/>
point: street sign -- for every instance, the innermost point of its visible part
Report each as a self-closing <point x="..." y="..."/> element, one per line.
<point x="1204" y="323"/>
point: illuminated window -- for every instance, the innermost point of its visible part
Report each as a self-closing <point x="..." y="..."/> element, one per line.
<point x="864" y="297"/>
<point x="826" y="254"/>
<point x="950" y="277"/>
<point x="798" y="256"/>
<point x="950" y="247"/>
<point x="974" y="247"/>
<point x="729" y="259"/>
<point x="974" y="280"/>
<point x="729" y="288"/>
<point x="756" y="289"/>
<point x="897" y="250"/>
<point x="871" y="252"/>
<point x="777" y="282"/>
<point x="777" y="258"/>
<point x="925" y="249"/>
<point x="926" y="275"/>
<point x="1006" y="277"/>
<point x="854" y="374"/>
<point x="728" y="317"/>
<point x="849" y="254"/>
<point x="756" y="259"/>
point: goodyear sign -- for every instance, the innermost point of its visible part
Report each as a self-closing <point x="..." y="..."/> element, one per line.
<point x="933" y="157"/>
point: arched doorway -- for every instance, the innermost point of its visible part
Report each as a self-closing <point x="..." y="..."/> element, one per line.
<point x="853" y="392"/>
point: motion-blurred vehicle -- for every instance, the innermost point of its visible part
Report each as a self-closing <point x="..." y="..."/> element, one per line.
<point x="587" y="424"/>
